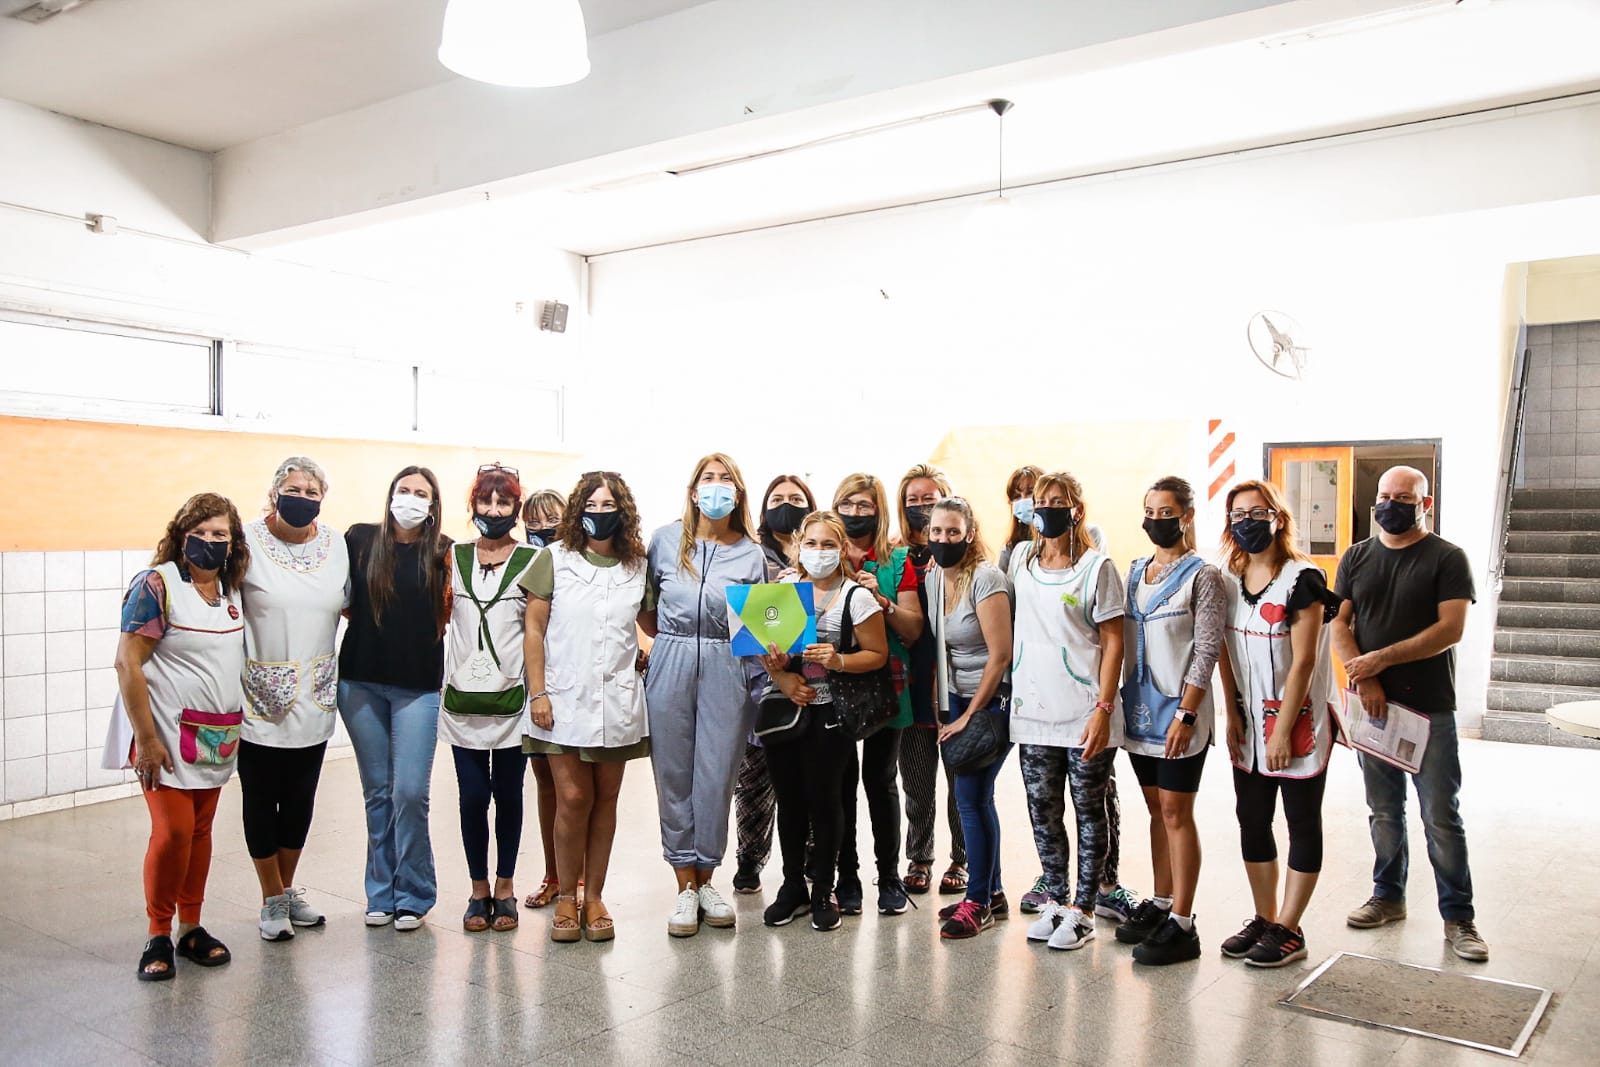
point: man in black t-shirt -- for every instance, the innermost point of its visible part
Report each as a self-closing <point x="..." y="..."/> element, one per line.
<point x="1405" y="594"/>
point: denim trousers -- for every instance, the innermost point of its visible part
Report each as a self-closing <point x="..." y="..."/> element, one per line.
<point x="1438" y="787"/>
<point x="393" y="731"/>
<point x="980" y="822"/>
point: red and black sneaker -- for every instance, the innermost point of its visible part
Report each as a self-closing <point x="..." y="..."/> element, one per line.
<point x="999" y="908"/>
<point x="969" y="920"/>
<point x="1278" y="947"/>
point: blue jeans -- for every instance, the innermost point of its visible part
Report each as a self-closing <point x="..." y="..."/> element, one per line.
<point x="1438" y="789"/>
<point x="980" y="823"/>
<point x="394" y="731"/>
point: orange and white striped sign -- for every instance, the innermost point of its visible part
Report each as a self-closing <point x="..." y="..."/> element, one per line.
<point x="1220" y="467"/>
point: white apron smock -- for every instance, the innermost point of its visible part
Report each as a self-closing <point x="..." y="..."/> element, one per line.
<point x="196" y="696"/>
<point x="1055" y="666"/>
<point x="591" y="650"/>
<point x="1260" y="650"/>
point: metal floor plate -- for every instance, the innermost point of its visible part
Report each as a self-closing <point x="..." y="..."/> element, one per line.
<point x="1464" y="1009"/>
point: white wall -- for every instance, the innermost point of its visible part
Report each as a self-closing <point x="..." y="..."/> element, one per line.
<point x="854" y="344"/>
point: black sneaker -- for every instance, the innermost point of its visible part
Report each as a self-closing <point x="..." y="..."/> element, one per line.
<point x="850" y="894"/>
<point x="1145" y="920"/>
<point x="892" y="899"/>
<point x="793" y="899"/>
<point x="824" y="911"/>
<point x="748" y="878"/>
<point x="1277" y="947"/>
<point x="1239" y="945"/>
<point x="1170" y="943"/>
<point x="999" y="908"/>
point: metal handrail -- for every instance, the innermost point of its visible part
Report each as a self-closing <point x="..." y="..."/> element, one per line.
<point x="1519" y="392"/>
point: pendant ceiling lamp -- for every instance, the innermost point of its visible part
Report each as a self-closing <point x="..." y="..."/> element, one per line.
<point x="999" y="107"/>
<point x="520" y="43"/>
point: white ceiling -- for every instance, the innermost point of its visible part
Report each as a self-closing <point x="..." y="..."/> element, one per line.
<point x="1064" y="124"/>
<point x="208" y="74"/>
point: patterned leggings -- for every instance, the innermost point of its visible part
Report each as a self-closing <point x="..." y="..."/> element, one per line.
<point x="754" y="802"/>
<point x="1047" y="772"/>
<point x="919" y="777"/>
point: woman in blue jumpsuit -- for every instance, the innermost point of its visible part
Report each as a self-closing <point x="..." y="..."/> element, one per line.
<point x="698" y="694"/>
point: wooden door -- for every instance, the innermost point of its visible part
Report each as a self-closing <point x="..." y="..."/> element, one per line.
<point x="1319" y="485"/>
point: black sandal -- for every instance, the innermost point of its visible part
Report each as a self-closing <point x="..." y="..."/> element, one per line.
<point x="477" y="909"/>
<point x="157" y="950"/>
<point x="504" y="908"/>
<point x="197" y="946"/>
<point x="954" y="880"/>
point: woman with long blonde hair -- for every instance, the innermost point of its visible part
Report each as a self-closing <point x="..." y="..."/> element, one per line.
<point x="1275" y="657"/>
<point x="697" y="692"/>
<point x="863" y="507"/>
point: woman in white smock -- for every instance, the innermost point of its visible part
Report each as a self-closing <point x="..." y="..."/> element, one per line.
<point x="587" y="713"/>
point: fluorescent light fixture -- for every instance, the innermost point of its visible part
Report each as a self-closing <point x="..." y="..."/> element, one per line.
<point x="518" y="43"/>
<point x="1373" y="21"/>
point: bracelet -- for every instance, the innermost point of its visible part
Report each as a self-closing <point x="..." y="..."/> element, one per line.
<point x="536" y="696"/>
<point x="1105" y="706"/>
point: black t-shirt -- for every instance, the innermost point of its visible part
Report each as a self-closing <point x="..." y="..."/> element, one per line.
<point x="1395" y="594"/>
<point x="407" y="649"/>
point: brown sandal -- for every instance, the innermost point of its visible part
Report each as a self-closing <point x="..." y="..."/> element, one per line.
<point x="547" y="892"/>
<point x="597" y="924"/>
<point x="505" y="914"/>
<point x="476" y="920"/>
<point x="564" y="926"/>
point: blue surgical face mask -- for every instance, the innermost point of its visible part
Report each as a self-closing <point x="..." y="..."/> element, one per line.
<point x="715" y="500"/>
<point x="1022" y="510"/>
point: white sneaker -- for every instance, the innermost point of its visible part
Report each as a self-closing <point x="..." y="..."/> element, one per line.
<point x="1045" y="925"/>
<point x="301" y="913"/>
<point x="714" y="910"/>
<point x="1075" y="931"/>
<point x="685" y="918"/>
<point x="275" y="919"/>
<point x="407" y="920"/>
<point x="380" y="918"/>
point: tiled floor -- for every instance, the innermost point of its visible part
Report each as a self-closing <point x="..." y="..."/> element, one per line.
<point x="879" y="991"/>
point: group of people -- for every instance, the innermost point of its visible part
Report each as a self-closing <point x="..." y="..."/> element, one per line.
<point x="582" y="646"/>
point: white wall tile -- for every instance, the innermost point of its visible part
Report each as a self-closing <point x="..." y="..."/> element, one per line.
<point x="63" y="651"/>
<point x="64" y="773"/>
<point x="24" y="696"/>
<point x="64" y="732"/>
<point x="63" y="611"/>
<point x="96" y="777"/>
<point x="24" y="571"/>
<point x="63" y="570"/>
<point x="41" y="805"/>
<point x="24" y="779"/>
<point x="3" y="754"/>
<point x="102" y="607"/>
<point x="134" y="561"/>
<point x="24" y="654"/>
<point x="24" y="612"/>
<point x="63" y="691"/>
<point x="99" y="687"/>
<point x="102" y="570"/>
<point x="26" y="738"/>
<point x="100" y="647"/>
<point x="95" y="723"/>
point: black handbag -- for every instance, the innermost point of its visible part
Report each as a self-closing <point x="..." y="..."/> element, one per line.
<point x="864" y="703"/>
<point x="778" y="719"/>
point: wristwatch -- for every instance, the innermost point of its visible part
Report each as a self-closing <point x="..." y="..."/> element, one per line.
<point x="1186" y="716"/>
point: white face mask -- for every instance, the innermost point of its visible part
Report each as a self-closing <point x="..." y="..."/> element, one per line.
<point x="819" y="562"/>
<point x="409" y="510"/>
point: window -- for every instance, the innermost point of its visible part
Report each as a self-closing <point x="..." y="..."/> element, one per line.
<point x="318" y="393"/>
<point x="54" y="366"/>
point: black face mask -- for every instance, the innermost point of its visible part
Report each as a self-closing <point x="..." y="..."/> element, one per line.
<point x="948" y="553"/>
<point x="785" y="518"/>
<point x="918" y="516"/>
<point x="494" y="527"/>
<point x="298" y="511"/>
<point x="205" y="555"/>
<point x="601" y="525"/>
<point x="918" y="555"/>
<point x="1395" y="516"/>
<point x="860" y="525"/>
<point x="545" y="535"/>
<point x="1252" y="535"/>
<point x="1163" y="533"/>
<point x="1053" y="522"/>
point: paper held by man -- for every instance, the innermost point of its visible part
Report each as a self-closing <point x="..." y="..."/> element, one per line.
<point x="1401" y="739"/>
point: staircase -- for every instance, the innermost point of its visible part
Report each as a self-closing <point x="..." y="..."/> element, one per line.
<point x="1547" y="635"/>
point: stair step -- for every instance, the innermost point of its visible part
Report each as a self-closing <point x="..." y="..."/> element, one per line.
<point x="1530" y="728"/>
<point x="1581" y="644"/>
<point x="1585" y="542"/>
<point x="1551" y="590"/>
<point x="1545" y="670"/>
<point x="1528" y="696"/>
<point x="1555" y="519"/>
<point x="1556" y="498"/>
<point x="1558" y="616"/>
<point x="1551" y="565"/>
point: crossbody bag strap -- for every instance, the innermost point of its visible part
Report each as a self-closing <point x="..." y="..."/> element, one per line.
<point x="847" y="626"/>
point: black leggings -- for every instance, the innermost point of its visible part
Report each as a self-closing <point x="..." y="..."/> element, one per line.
<point x="1256" y="803"/>
<point x="481" y="773"/>
<point x="808" y="775"/>
<point x="279" y="789"/>
<point x="878" y="766"/>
